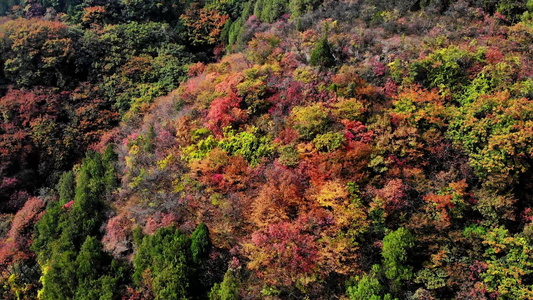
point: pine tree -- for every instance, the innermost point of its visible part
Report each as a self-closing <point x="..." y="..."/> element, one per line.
<point x="321" y="55"/>
<point x="200" y="243"/>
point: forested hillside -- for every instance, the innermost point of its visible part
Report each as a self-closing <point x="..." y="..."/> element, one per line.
<point x="266" y="149"/>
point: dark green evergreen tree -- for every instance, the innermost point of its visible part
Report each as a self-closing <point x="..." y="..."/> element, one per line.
<point x="200" y="243"/>
<point x="228" y="289"/>
<point x="167" y="255"/>
<point x="60" y="277"/>
<point x="321" y="55"/>
<point x="396" y="245"/>
<point x="66" y="187"/>
<point x="67" y="236"/>
<point x="109" y="160"/>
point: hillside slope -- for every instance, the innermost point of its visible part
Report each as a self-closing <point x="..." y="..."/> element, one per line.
<point x="338" y="150"/>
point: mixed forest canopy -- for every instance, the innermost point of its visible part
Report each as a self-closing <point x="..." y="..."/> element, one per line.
<point x="266" y="149"/>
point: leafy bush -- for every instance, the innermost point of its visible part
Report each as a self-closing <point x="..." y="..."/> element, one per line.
<point x="247" y="144"/>
<point x="328" y="142"/>
<point x="445" y="68"/>
<point x="395" y="247"/>
<point x="310" y="120"/>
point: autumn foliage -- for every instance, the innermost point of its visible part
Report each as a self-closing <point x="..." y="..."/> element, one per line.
<point x="266" y="149"/>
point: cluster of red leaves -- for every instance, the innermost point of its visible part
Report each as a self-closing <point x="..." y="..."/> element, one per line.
<point x="16" y="246"/>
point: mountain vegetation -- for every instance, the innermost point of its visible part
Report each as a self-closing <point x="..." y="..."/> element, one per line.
<point x="266" y="149"/>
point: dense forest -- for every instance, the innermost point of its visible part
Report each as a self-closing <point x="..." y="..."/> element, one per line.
<point x="266" y="149"/>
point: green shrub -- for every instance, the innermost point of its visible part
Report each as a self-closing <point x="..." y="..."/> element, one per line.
<point x="445" y="68"/>
<point x="328" y="142"/>
<point x="289" y="156"/>
<point x="394" y="252"/>
<point x="310" y="120"/>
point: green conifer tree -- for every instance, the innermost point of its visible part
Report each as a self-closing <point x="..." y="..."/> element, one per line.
<point x="322" y="55"/>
